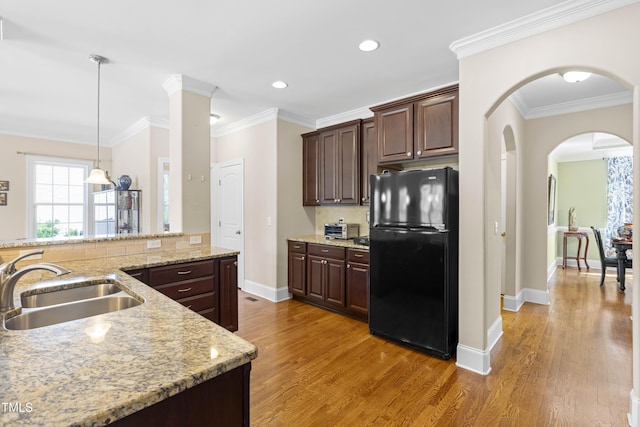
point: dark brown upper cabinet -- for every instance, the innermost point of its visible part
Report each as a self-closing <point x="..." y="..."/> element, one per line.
<point x="419" y="127"/>
<point x="340" y="164"/>
<point x="369" y="157"/>
<point x="311" y="169"/>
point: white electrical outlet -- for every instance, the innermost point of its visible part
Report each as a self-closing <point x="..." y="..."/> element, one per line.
<point x="152" y="244"/>
<point x="340" y="220"/>
<point x="195" y="240"/>
<point x="269" y="221"/>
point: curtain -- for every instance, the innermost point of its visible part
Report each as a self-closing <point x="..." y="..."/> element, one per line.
<point x="619" y="197"/>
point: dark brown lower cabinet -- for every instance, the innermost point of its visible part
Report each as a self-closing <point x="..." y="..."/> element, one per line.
<point x="358" y="282"/>
<point x="297" y="266"/>
<point x="331" y="281"/>
<point x="220" y="401"/>
<point x="228" y="302"/>
<point x="208" y="287"/>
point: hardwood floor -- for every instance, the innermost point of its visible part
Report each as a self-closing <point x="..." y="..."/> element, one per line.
<point x="566" y="364"/>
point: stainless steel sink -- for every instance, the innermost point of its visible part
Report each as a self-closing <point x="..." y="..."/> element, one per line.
<point x="83" y="291"/>
<point x="60" y="313"/>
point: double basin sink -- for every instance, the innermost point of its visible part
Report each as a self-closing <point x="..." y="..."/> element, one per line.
<point x="56" y="304"/>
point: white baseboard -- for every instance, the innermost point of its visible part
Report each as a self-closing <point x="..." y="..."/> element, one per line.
<point x="634" y="410"/>
<point x="494" y="333"/>
<point x="473" y="360"/>
<point x="267" y="292"/>
<point x="536" y="296"/>
<point x="510" y="303"/>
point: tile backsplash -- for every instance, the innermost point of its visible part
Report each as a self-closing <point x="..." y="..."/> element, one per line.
<point x="350" y="214"/>
<point x="101" y="249"/>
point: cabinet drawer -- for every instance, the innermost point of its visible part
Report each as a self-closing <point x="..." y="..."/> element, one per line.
<point x="298" y="247"/>
<point x="187" y="288"/>
<point x="325" y="251"/>
<point x="199" y="302"/>
<point x="358" y="256"/>
<point x="180" y="272"/>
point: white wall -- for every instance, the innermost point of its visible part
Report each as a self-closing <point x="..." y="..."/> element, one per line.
<point x="258" y="146"/>
<point x="486" y="79"/>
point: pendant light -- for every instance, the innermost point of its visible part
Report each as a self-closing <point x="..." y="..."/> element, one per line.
<point x="97" y="175"/>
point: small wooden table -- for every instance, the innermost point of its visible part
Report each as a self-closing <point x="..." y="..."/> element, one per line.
<point x="621" y="246"/>
<point x="579" y="235"/>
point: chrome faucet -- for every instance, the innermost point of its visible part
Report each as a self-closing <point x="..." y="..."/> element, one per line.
<point x="9" y="276"/>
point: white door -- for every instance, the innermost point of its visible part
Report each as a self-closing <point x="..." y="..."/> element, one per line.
<point x="227" y="228"/>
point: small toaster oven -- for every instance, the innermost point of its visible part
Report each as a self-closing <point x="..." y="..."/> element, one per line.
<point x="341" y="231"/>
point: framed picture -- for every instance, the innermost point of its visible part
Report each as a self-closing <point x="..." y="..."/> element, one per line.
<point x="3" y="199"/>
<point x="4" y="185"/>
<point x="552" y="198"/>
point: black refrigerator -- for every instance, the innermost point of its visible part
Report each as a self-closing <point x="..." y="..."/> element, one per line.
<point x="413" y="290"/>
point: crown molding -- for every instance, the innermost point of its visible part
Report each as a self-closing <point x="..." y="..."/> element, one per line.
<point x="296" y="119"/>
<point x="178" y="82"/>
<point x="547" y="19"/>
<point x="142" y="124"/>
<point x="256" y="119"/>
<point x="358" y="113"/>
<point x="585" y="104"/>
<point x="265" y="116"/>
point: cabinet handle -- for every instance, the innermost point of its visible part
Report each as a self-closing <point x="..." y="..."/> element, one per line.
<point x="317" y="200"/>
<point x="348" y="265"/>
<point x="302" y="259"/>
<point x="182" y="273"/>
<point x="419" y="153"/>
<point x="364" y="200"/>
<point x="235" y="263"/>
<point x="184" y="290"/>
<point x="358" y="255"/>
<point x="296" y="246"/>
<point x="408" y="153"/>
<point x="324" y="250"/>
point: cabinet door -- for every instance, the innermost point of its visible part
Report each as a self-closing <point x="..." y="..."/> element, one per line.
<point x="328" y="163"/>
<point x="228" y="307"/>
<point x="358" y="289"/>
<point x="311" y="170"/>
<point x="436" y="126"/>
<point x="334" y="291"/>
<point x="297" y="273"/>
<point x="348" y="165"/>
<point x="395" y="133"/>
<point x="369" y="159"/>
<point x="315" y="278"/>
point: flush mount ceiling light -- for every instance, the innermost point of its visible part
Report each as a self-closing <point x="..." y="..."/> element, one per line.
<point x="97" y="175"/>
<point x="279" y="84"/>
<point x="368" y="45"/>
<point x="575" y="76"/>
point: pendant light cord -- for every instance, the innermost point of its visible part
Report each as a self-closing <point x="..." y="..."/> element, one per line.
<point x="98" y="120"/>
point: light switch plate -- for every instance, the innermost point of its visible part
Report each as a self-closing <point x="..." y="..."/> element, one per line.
<point x="195" y="240"/>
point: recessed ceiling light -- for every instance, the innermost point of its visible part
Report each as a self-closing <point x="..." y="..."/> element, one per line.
<point x="575" y="76"/>
<point x="369" y="45"/>
<point x="213" y="119"/>
<point x="279" y="84"/>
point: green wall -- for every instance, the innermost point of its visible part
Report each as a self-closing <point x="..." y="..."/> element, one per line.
<point x="582" y="185"/>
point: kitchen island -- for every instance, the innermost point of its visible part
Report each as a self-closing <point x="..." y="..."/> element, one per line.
<point x="138" y="362"/>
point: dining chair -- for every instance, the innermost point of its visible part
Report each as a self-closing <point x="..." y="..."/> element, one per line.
<point x="604" y="260"/>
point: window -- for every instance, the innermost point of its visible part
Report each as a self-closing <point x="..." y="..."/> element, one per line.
<point x="57" y="197"/>
<point x="163" y="195"/>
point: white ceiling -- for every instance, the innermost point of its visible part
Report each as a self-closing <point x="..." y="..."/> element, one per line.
<point x="48" y="85"/>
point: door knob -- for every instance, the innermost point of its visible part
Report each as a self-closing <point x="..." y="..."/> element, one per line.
<point x="238" y="231"/>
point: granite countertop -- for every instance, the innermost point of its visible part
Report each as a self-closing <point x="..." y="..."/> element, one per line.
<point x="315" y="238"/>
<point x="59" y="375"/>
